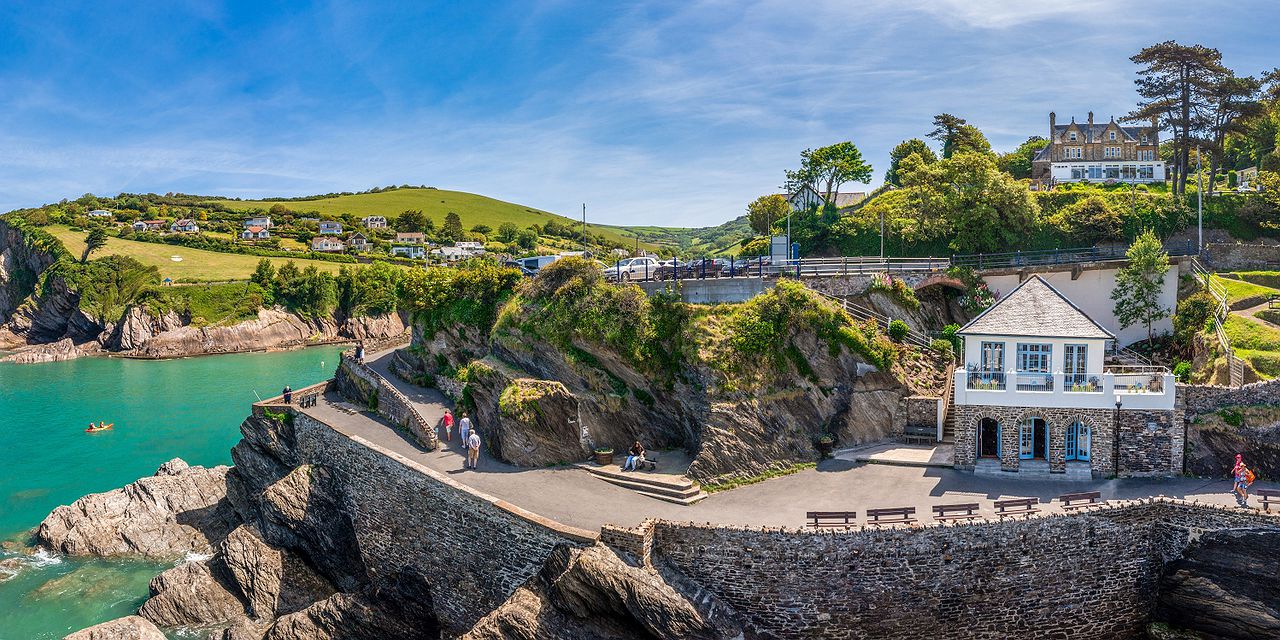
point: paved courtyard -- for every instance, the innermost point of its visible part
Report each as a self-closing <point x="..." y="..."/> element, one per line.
<point x="574" y="497"/>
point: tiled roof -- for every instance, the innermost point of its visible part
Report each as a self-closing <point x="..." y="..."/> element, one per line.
<point x="1035" y="309"/>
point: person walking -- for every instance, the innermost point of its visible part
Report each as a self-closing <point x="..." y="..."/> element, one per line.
<point x="473" y="449"/>
<point x="360" y="352"/>
<point x="447" y="421"/>
<point x="288" y="394"/>
<point x="464" y="428"/>
<point x="1242" y="477"/>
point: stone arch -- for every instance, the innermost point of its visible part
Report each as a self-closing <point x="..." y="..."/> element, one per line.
<point x="1090" y="421"/>
<point x="975" y="427"/>
<point x="1043" y="446"/>
<point x="940" y="280"/>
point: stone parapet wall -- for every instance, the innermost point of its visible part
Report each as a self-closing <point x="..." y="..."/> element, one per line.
<point x="1088" y="575"/>
<point x="474" y="549"/>
<point x="921" y="411"/>
<point x="1232" y="256"/>
<point x="1199" y="399"/>
<point x="359" y="383"/>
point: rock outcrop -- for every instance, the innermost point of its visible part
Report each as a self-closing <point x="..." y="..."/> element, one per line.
<point x="179" y="510"/>
<point x="128" y="628"/>
<point x="1214" y="439"/>
<point x="593" y="594"/>
<point x="1224" y="586"/>
<point x="189" y="595"/>
<point x="64" y="349"/>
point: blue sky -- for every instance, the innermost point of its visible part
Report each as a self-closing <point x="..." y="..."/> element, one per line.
<point x="675" y="113"/>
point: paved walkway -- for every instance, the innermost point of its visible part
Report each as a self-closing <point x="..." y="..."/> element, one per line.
<point x="572" y="496"/>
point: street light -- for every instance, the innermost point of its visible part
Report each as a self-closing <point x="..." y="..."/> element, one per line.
<point x="1115" y="440"/>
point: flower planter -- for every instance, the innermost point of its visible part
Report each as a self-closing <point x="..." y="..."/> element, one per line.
<point x="825" y="445"/>
<point x="604" y="457"/>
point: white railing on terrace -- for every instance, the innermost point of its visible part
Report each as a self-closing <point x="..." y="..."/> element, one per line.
<point x="1136" y="387"/>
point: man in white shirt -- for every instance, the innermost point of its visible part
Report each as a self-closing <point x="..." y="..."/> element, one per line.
<point x="464" y="428"/>
<point x="473" y="449"/>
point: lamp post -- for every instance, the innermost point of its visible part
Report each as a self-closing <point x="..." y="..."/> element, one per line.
<point x="1115" y="440"/>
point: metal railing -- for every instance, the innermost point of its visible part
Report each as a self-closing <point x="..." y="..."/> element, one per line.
<point x="1235" y="366"/>
<point x="1081" y="383"/>
<point x="859" y="312"/>
<point x="985" y="380"/>
<point x="1056" y="256"/>
<point x="764" y="267"/>
<point x="1034" y="381"/>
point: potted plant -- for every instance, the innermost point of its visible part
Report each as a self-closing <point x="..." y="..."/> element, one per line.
<point x="604" y="456"/>
<point x="826" y="442"/>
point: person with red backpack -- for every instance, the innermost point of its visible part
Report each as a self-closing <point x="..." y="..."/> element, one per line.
<point x="1242" y="476"/>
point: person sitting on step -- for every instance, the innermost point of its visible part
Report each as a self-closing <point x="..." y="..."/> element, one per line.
<point x="634" y="457"/>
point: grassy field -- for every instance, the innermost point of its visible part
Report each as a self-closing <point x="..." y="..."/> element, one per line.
<point x="1239" y="290"/>
<point x="1263" y="278"/>
<point x="1256" y="343"/>
<point x="196" y="265"/>
<point x="436" y="203"/>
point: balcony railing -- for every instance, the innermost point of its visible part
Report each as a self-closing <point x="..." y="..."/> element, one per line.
<point x="1035" y="381"/>
<point x="1081" y="383"/>
<point x="986" y="380"/>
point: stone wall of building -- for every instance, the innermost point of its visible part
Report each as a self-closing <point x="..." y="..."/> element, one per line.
<point x="1145" y="450"/>
<point x="1088" y="575"/>
<point x="473" y="549"/>
<point x="1233" y="256"/>
<point x="921" y="411"/>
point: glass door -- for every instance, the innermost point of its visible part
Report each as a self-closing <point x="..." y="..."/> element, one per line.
<point x="1074" y="362"/>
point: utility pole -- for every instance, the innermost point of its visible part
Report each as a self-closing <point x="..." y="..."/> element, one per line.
<point x="1199" y="207"/>
<point x="882" y="234"/>
<point x="584" y="229"/>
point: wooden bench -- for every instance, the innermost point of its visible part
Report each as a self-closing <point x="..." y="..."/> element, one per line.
<point x="952" y="511"/>
<point x="1077" y="500"/>
<point x="1268" y="496"/>
<point x="893" y="515"/>
<point x="920" y="434"/>
<point x="1017" y="507"/>
<point x="818" y="519"/>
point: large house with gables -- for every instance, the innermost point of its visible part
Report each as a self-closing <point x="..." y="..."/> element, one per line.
<point x="1037" y="396"/>
<point x="1099" y="152"/>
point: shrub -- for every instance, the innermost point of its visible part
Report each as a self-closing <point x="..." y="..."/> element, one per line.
<point x="896" y="288"/>
<point x="898" y="330"/>
<point x="942" y="346"/>
<point x="951" y="334"/>
<point x="1089" y="220"/>
<point x="1192" y="315"/>
<point x="1182" y="371"/>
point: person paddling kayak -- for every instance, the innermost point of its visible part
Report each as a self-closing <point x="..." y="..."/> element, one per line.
<point x="101" y="426"/>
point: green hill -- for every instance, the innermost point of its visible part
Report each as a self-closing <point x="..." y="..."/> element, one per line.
<point x="436" y="203"/>
<point x="720" y="239"/>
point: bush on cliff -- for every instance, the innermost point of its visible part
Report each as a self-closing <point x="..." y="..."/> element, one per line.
<point x="469" y="294"/>
<point x="107" y="286"/>
<point x="208" y="304"/>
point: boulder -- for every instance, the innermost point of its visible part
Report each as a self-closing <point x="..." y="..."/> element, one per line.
<point x="189" y="595"/>
<point x="162" y="517"/>
<point x="593" y="594"/>
<point x="273" y="582"/>
<point x="128" y="628"/>
<point x="1224" y="585"/>
<point x="536" y="425"/>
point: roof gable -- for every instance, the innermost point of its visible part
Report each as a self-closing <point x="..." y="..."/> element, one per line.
<point x="1036" y="309"/>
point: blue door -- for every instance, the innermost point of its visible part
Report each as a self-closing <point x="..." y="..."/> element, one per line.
<point x="1033" y="439"/>
<point x="1078" y="436"/>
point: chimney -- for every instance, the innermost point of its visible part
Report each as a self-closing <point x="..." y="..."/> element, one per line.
<point x="1053" y="118"/>
<point x="1089" y="136"/>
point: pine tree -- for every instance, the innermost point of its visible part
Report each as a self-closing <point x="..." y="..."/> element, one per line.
<point x="452" y="227"/>
<point x="1139" y="284"/>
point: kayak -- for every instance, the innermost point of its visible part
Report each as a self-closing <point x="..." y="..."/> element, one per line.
<point x="101" y="427"/>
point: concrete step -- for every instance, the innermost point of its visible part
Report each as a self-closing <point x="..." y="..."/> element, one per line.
<point x="676" y="489"/>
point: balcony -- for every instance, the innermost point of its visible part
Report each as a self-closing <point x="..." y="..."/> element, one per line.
<point x="1133" y="387"/>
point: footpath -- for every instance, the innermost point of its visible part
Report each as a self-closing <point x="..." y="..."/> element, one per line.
<point x="575" y="497"/>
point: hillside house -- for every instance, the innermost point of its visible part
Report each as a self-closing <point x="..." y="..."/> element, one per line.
<point x="1099" y="152"/>
<point x="374" y="222"/>
<point x="807" y="198"/>
<point x="184" y="225"/>
<point x="148" y="225"/>
<point x="410" y="237"/>
<point x="1037" y="396"/>
<point x="358" y="242"/>
<point x="325" y="244"/>
<point x="470" y="246"/>
<point x="329" y="228"/>
<point x="411" y="251"/>
<point x="100" y="213"/>
<point x="255" y="233"/>
<point x="261" y="221"/>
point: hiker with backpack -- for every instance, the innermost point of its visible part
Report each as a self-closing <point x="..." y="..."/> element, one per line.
<point x="1242" y="476"/>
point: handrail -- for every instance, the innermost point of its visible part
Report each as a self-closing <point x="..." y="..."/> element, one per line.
<point x="1235" y="367"/>
<point x="860" y="312"/>
<point x="384" y="386"/>
<point x="1056" y="256"/>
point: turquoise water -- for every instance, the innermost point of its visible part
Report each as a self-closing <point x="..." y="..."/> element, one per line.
<point x="189" y="408"/>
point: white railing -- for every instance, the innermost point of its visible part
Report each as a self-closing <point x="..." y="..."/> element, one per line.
<point x="1235" y="367"/>
<point x="860" y="312"/>
<point x="1134" y="387"/>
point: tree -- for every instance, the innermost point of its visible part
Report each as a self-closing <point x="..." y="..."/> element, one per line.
<point x="945" y="127"/>
<point x="904" y="149"/>
<point x="837" y="164"/>
<point x="410" y="221"/>
<point x="278" y="209"/>
<point x="508" y="231"/>
<point x="96" y="239"/>
<point x="1140" y="283"/>
<point x="528" y="239"/>
<point x="1090" y="220"/>
<point x="968" y="139"/>
<point x="1172" y="85"/>
<point x="482" y="229"/>
<point x="452" y="227"/>
<point x="1017" y="163"/>
<point x="984" y="208"/>
<point x="1228" y="101"/>
<point x="766" y="210"/>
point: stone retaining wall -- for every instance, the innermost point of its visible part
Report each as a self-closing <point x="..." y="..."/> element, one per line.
<point x="1232" y="256"/>
<point x="1089" y="575"/>
<point x="1200" y="399"/>
<point x="359" y="383"/>
<point x="473" y="549"/>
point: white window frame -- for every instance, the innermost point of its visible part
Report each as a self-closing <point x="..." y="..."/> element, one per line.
<point x="1041" y="354"/>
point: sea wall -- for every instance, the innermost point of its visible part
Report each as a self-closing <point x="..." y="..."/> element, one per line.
<point x="356" y="381"/>
<point x="473" y="549"/>
<point x="1202" y="398"/>
<point x="1087" y="575"/>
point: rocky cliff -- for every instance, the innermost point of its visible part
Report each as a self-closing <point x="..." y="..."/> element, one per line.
<point x="1214" y="439"/>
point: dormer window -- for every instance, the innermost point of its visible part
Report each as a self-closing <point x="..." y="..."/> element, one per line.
<point x="1071" y="136"/>
<point x="1144" y="138"/>
<point x="1113" y="135"/>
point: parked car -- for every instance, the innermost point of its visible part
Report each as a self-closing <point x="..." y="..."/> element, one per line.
<point x="629" y="269"/>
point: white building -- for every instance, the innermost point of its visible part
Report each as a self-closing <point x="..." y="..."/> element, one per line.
<point x="806" y="198"/>
<point x="358" y="242"/>
<point x="185" y="225"/>
<point x="1099" y="152"/>
<point x="255" y="233"/>
<point x="262" y="221"/>
<point x="100" y="213"/>
<point x="374" y="222"/>
<point x="327" y="244"/>
<point x="410" y="237"/>
<point x="1035" y="393"/>
<point x="412" y="251"/>
<point x="329" y="228"/>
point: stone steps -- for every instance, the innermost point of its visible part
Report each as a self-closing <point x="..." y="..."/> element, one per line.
<point x="674" y="489"/>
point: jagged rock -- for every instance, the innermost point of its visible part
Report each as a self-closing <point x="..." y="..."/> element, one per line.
<point x="159" y="517"/>
<point x="189" y="595"/>
<point x="536" y="425"/>
<point x="59" y="351"/>
<point x="304" y="510"/>
<point x="138" y="326"/>
<point x="592" y="594"/>
<point x="273" y="582"/>
<point x="1224" y="586"/>
<point x="370" y="327"/>
<point x="241" y="629"/>
<point x="129" y="628"/>
<point x="348" y="616"/>
<point x="173" y="467"/>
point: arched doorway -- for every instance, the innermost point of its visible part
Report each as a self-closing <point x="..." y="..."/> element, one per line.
<point x="988" y="438"/>
<point x="1079" y="436"/>
<point x="1033" y="439"/>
